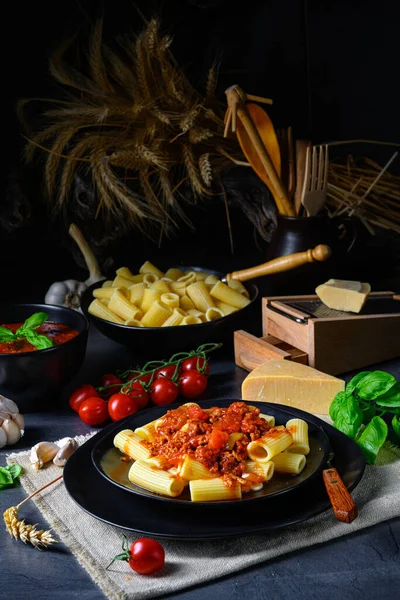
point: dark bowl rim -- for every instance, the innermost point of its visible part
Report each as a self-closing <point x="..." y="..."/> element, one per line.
<point x="187" y="327"/>
<point x="80" y="315"/>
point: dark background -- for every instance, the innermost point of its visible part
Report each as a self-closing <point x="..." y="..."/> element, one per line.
<point x="331" y="68"/>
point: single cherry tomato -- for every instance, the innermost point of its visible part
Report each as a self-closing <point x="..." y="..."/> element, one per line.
<point x="114" y="381"/>
<point x="195" y="412"/>
<point x="163" y="391"/>
<point x="192" y="383"/>
<point x="218" y="439"/>
<point x="143" y="378"/>
<point x="121" y="405"/>
<point x="93" y="411"/>
<point x="80" y="394"/>
<point x="146" y="556"/>
<point x="195" y="362"/>
<point x="167" y="372"/>
<point x="138" y="393"/>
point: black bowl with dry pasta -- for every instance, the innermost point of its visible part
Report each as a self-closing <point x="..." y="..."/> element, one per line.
<point x="168" y="339"/>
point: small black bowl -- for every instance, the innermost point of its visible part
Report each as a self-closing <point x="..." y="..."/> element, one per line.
<point x="151" y="341"/>
<point x="34" y="379"/>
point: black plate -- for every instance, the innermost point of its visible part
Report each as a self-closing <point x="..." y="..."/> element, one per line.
<point x="173" y="339"/>
<point x="107" y="458"/>
<point x="145" y="516"/>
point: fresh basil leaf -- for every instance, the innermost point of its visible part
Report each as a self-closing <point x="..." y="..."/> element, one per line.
<point x="33" y="322"/>
<point x="391" y="398"/>
<point x="41" y="342"/>
<point x="336" y="405"/>
<point x="349" y="417"/>
<point x="396" y="425"/>
<point x="14" y="470"/>
<point x="372" y="438"/>
<point x="351" y="386"/>
<point x="5" y="476"/>
<point x="374" y="385"/>
<point x="6" y="335"/>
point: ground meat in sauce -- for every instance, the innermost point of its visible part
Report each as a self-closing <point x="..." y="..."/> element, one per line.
<point x="173" y="443"/>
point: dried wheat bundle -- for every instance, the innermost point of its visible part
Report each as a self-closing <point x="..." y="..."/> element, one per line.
<point x="365" y="189"/>
<point x="25" y="532"/>
<point x="133" y="121"/>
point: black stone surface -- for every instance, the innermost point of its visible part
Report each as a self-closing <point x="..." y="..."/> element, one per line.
<point x="361" y="566"/>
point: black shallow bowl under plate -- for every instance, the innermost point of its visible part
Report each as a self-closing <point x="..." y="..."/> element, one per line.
<point x="111" y="504"/>
<point x="172" y="339"/>
<point x="107" y="458"/>
<point x="32" y="379"/>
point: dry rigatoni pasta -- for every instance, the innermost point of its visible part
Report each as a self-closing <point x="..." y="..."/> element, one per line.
<point x="200" y="296"/>
<point x="156" y="315"/>
<point x="122" y="307"/>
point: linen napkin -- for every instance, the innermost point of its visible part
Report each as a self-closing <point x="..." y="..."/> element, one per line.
<point x="190" y="563"/>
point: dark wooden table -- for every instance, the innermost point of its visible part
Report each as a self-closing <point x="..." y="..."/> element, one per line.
<point x="361" y="566"/>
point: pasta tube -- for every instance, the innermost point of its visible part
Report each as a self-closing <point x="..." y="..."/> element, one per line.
<point x="199" y="293"/>
<point x="287" y="462"/>
<point x="299" y="431"/>
<point x="122" y="282"/>
<point x="264" y="470"/>
<point x="201" y="276"/>
<point x="174" y="274"/>
<point x="222" y="292"/>
<point x="123" y="308"/>
<point x="146" y="432"/>
<point x="156" y="315"/>
<point x="106" y="284"/>
<point x="149" y="477"/>
<point x="185" y="303"/>
<point x="133" y="323"/>
<point x="213" y="313"/>
<point x="175" y="319"/>
<point x="189" y="277"/>
<point x="226" y="309"/>
<point x="136" y="293"/>
<point x="238" y="287"/>
<point x="270" y="420"/>
<point x="197" y="313"/>
<point x="148" y="267"/>
<point x="211" y="279"/>
<point x="131" y="444"/>
<point x="107" y="292"/>
<point x="209" y="490"/>
<point x="98" y="309"/>
<point x="125" y="272"/>
<point x="149" y="297"/>
<point x="171" y="300"/>
<point x="178" y="287"/>
<point x="161" y="285"/>
<point x="194" y="469"/>
<point x="149" y="278"/>
<point x="190" y="320"/>
<point x="272" y="443"/>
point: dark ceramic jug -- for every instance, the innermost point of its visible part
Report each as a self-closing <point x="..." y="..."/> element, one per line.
<point x="296" y="234"/>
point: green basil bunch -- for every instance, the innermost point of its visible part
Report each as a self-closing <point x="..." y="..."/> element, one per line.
<point x="27" y="330"/>
<point x="359" y="411"/>
<point x="9" y="476"/>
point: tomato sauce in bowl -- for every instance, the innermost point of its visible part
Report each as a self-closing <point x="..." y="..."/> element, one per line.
<point x="56" y="332"/>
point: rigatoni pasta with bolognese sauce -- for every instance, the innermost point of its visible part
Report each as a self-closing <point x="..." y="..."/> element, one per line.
<point x="219" y="453"/>
<point x="157" y="299"/>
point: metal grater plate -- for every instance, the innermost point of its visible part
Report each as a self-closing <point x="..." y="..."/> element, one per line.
<point x="381" y="305"/>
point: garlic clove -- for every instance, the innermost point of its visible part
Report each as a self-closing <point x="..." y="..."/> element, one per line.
<point x="65" y="452"/>
<point x="19" y="420"/>
<point x="3" y="438"/>
<point x="12" y="431"/>
<point x="4" y="416"/>
<point x="63" y="441"/>
<point x="7" y="405"/>
<point x="42" y="453"/>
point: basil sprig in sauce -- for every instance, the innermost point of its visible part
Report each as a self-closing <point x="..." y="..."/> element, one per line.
<point x="368" y="411"/>
<point x="27" y="331"/>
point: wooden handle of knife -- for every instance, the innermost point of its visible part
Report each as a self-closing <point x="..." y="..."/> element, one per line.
<point x="283" y="263"/>
<point x="342" y="503"/>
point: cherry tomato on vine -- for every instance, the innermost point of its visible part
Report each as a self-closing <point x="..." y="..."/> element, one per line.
<point x="138" y="393"/>
<point x="110" y="379"/>
<point x="192" y="383"/>
<point x="93" y="411"/>
<point x="80" y="394"/>
<point x="121" y="405"/>
<point x="195" y="362"/>
<point x="145" y="556"/>
<point x="143" y="378"/>
<point x="163" y="391"/>
<point x="167" y="372"/>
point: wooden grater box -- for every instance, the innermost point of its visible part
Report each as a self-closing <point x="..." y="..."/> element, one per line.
<point x="333" y="344"/>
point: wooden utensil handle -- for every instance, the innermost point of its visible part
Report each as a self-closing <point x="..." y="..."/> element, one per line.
<point x="342" y="503"/>
<point x="283" y="263"/>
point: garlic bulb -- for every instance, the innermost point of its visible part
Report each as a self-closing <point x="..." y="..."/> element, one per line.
<point x="68" y="293"/>
<point x="11" y="422"/>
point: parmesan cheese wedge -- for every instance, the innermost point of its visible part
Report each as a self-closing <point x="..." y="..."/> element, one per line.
<point x="290" y="383"/>
<point x="349" y="296"/>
